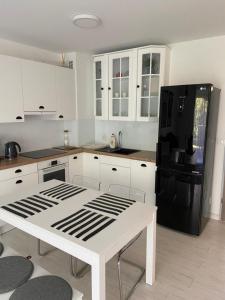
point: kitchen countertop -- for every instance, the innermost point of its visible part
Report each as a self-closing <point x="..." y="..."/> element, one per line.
<point x="149" y="156"/>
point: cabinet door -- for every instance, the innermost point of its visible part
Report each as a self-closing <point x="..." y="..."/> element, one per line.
<point x="122" y="91"/>
<point x="91" y="165"/>
<point x="75" y="165"/>
<point x="17" y="184"/>
<point x="113" y="174"/>
<point x="100" y="69"/>
<point x="143" y="178"/>
<point x="151" y="64"/>
<point x="38" y="87"/>
<point x="11" y="95"/>
<point x="65" y="94"/>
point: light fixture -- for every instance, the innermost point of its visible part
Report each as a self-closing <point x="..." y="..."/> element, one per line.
<point x="86" y="21"/>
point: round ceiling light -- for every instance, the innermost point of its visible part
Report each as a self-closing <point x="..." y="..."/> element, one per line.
<point x="86" y="21"/>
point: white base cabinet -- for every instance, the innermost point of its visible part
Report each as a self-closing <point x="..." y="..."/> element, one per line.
<point x="75" y="166"/>
<point x="143" y="178"/>
<point x="91" y="166"/>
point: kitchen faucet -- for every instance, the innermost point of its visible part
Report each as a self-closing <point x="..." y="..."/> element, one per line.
<point x="120" y="139"/>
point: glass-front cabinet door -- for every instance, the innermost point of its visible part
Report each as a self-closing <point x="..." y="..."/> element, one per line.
<point x="101" y="87"/>
<point x="149" y="80"/>
<point x="122" y="86"/>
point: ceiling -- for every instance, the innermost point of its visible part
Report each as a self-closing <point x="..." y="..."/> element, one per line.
<point x="125" y="23"/>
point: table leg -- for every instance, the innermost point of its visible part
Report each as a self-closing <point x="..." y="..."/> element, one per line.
<point x="98" y="280"/>
<point x="151" y="251"/>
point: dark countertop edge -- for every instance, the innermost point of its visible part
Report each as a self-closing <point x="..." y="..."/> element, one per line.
<point x="142" y="155"/>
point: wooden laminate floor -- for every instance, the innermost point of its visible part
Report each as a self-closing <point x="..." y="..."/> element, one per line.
<point x="187" y="267"/>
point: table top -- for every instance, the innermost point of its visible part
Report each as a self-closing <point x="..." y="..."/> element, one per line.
<point x="82" y="222"/>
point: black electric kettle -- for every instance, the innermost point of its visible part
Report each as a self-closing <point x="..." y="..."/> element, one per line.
<point x="11" y="150"/>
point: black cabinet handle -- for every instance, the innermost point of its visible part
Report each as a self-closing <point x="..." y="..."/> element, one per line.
<point x="114" y="169"/>
<point x="143" y="165"/>
<point x="18" y="171"/>
<point x="41" y="107"/>
<point x="75" y="157"/>
<point x="138" y="86"/>
<point x="19" y="181"/>
<point x="109" y="88"/>
<point x="102" y="88"/>
<point x="95" y="157"/>
<point x="19" y="118"/>
<point x="61" y="117"/>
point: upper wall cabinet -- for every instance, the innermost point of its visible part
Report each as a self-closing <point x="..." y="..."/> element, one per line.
<point x="11" y="94"/>
<point x="122" y="85"/>
<point x="100" y="76"/>
<point x="150" y="77"/>
<point x="65" y="94"/>
<point x="134" y="78"/>
<point x="38" y="87"/>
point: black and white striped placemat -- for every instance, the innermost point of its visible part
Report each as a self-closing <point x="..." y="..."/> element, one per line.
<point x="63" y="191"/>
<point x="29" y="206"/>
<point x="110" y="204"/>
<point x="83" y="224"/>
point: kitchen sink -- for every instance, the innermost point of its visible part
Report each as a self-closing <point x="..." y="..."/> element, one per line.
<point x="123" y="151"/>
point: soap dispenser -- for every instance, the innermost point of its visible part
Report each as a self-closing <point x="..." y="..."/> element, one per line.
<point x="113" y="141"/>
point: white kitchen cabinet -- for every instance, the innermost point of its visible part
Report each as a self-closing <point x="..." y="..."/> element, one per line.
<point x="150" y="78"/>
<point x="100" y="69"/>
<point x="91" y="165"/>
<point x="17" y="171"/>
<point x="15" y="185"/>
<point x="113" y="174"/>
<point x="122" y="85"/>
<point x="143" y="178"/>
<point x="75" y="165"/>
<point x="65" y="93"/>
<point x="11" y="93"/>
<point x="38" y="87"/>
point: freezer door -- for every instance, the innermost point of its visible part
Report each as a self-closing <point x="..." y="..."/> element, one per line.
<point x="179" y="200"/>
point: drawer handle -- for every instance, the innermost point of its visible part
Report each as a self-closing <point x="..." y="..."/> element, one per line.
<point x="95" y="157"/>
<point x="19" y="181"/>
<point x="18" y="171"/>
<point x="19" y="118"/>
<point x="143" y="165"/>
<point x="41" y="107"/>
<point x="114" y="169"/>
<point x="61" y="117"/>
<point x="75" y="157"/>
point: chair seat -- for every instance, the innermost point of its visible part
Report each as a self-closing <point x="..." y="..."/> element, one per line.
<point x="14" y="271"/>
<point x="44" y="288"/>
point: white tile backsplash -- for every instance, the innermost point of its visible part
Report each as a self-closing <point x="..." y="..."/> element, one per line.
<point x="139" y="135"/>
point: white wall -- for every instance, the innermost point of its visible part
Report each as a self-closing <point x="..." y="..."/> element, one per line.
<point x="137" y="135"/>
<point x="203" y="61"/>
<point x="33" y="133"/>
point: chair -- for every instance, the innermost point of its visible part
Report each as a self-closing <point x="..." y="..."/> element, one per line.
<point x="87" y="182"/>
<point x="133" y="194"/>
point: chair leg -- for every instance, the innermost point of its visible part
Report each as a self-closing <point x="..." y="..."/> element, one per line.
<point x="40" y="253"/>
<point x="120" y="280"/>
<point x="74" y="268"/>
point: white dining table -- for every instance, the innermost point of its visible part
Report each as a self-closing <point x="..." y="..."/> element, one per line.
<point x="90" y="225"/>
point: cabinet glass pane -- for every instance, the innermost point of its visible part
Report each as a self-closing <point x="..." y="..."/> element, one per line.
<point x="98" y="70"/>
<point x="154" y="106"/>
<point x="124" y="107"/>
<point x="145" y="86"/>
<point x="116" y="88"/>
<point x="116" y="67"/>
<point x="98" y="108"/>
<point x="154" y="86"/>
<point x="146" y="63"/>
<point x="125" y="67"/>
<point x="155" y="63"/>
<point x="116" y="107"/>
<point x="145" y="107"/>
<point x="98" y="89"/>
<point x="124" y="87"/>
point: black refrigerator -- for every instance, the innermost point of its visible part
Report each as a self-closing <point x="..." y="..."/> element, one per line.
<point x="185" y="155"/>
